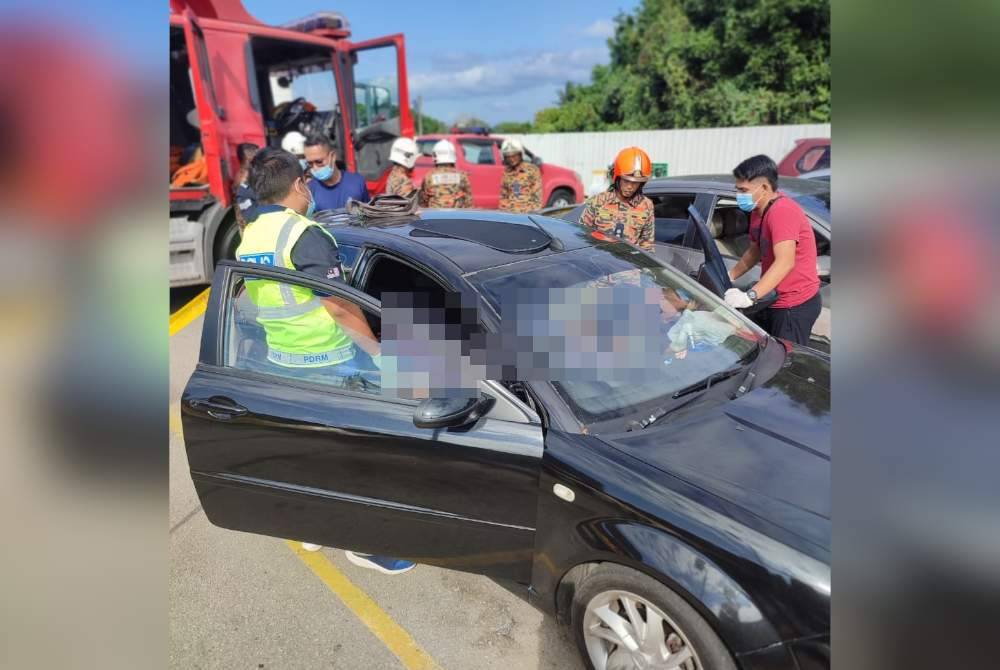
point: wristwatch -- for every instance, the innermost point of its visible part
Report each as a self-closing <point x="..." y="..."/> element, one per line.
<point x="752" y="294"/>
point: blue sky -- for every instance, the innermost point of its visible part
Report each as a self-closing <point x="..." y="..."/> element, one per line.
<point x="498" y="61"/>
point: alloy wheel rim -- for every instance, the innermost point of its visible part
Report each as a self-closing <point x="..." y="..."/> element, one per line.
<point x="560" y="202"/>
<point x="623" y="631"/>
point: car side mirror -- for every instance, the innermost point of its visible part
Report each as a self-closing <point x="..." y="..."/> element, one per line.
<point x="451" y="412"/>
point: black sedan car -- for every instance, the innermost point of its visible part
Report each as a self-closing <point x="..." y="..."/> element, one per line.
<point x="679" y="521"/>
<point x="715" y="198"/>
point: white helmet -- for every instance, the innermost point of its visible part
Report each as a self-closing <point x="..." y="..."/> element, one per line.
<point x="444" y="152"/>
<point x="404" y="152"/>
<point x="511" y="146"/>
<point x="294" y="142"/>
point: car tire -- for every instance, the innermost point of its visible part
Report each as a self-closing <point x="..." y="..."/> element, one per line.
<point x="600" y="597"/>
<point x="226" y="241"/>
<point x="561" y="197"/>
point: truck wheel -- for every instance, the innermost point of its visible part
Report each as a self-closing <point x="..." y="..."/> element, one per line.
<point x="624" y="619"/>
<point x="226" y="241"/>
<point x="561" y="197"/>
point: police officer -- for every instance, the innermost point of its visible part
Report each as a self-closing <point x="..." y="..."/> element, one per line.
<point x="403" y="155"/>
<point x="623" y="211"/>
<point x="445" y="186"/>
<point x="308" y="335"/>
<point x="521" y="186"/>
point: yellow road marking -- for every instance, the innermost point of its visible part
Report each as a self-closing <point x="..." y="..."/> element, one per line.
<point x="189" y="312"/>
<point x="374" y="617"/>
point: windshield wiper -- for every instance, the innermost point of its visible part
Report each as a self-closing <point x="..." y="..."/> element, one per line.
<point x="707" y="382"/>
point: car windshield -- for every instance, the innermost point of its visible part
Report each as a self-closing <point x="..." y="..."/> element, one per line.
<point x="688" y="334"/>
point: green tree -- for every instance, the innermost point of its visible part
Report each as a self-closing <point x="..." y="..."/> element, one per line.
<point x="702" y="63"/>
<point x="513" y="127"/>
<point x="429" y="125"/>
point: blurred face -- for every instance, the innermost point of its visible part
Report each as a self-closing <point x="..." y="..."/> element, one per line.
<point x="514" y="159"/>
<point x="628" y="188"/>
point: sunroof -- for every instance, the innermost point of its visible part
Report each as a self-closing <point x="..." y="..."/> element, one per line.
<point x="503" y="236"/>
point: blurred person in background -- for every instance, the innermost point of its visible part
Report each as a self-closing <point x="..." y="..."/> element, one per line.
<point x="403" y="156"/>
<point x="782" y="239"/>
<point x="246" y="199"/>
<point x="623" y="211"/>
<point x="445" y="186"/>
<point x="521" y="186"/>
<point x="331" y="187"/>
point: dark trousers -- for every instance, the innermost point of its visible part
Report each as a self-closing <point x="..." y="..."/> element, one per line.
<point x="791" y="323"/>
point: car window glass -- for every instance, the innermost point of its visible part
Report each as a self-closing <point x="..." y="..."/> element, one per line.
<point x="287" y="330"/>
<point x="478" y="153"/>
<point x="672" y="206"/>
<point x="814" y="159"/>
<point x="426" y="147"/>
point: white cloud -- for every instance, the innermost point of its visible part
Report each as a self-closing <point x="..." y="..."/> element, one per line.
<point x="600" y="28"/>
<point x="506" y="74"/>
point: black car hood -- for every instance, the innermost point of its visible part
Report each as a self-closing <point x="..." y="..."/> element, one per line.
<point x="767" y="452"/>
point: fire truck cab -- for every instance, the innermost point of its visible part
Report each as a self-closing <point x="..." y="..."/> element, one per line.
<point x="234" y="79"/>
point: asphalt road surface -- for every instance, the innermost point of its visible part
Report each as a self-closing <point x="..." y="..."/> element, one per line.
<point x="245" y="601"/>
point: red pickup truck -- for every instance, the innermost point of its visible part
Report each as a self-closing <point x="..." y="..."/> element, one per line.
<point x="479" y="156"/>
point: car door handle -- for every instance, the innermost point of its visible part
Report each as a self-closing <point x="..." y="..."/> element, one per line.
<point x="223" y="409"/>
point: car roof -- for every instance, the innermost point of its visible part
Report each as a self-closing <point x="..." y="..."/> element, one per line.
<point x="725" y="182"/>
<point x="428" y="230"/>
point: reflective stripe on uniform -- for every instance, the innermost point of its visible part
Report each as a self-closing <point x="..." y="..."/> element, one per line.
<point x="286" y="311"/>
<point x="315" y="359"/>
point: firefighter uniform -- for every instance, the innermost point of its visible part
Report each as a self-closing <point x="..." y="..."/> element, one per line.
<point x="399" y="182"/>
<point x="446" y="187"/>
<point x="631" y="221"/>
<point x="521" y="188"/>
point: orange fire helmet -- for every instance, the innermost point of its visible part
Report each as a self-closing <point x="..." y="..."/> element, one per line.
<point x="633" y="164"/>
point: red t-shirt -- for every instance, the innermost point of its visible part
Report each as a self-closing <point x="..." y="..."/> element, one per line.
<point x="785" y="220"/>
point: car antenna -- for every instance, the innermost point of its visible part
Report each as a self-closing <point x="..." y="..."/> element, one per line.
<point x="554" y="244"/>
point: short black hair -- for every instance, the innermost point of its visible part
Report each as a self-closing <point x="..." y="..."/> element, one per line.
<point x="758" y="166"/>
<point x="272" y="173"/>
<point x="319" y="141"/>
<point x="246" y="151"/>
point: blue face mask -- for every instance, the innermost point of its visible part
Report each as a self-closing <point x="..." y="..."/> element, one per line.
<point x="745" y="201"/>
<point x="311" y="209"/>
<point x="322" y="173"/>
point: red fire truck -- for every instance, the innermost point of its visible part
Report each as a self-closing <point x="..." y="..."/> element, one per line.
<point x="234" y="79"/>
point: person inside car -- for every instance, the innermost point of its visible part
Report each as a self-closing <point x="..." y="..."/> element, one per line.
<point x="623" y="211"/>
<point x="782" y="239"/>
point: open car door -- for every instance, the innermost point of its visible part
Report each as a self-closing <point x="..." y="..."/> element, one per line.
<point x="306" y="455"/>
<point x="713" y="273"/>
<point x="377" y="104"/>
<point x="213" y="142"/>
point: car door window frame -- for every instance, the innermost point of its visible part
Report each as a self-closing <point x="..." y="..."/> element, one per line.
<point x="215" y="333"/>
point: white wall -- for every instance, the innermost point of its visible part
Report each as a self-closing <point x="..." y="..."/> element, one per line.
<point x="698" y="151"/>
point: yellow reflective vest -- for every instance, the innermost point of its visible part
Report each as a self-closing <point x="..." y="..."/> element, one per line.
<point x="300" y="331"/>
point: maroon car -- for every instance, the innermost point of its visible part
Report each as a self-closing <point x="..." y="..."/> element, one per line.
<point x="809" y="154"/>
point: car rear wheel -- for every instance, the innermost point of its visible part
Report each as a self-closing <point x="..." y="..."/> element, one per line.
<point x="561" y="197"/>
<point x="625" y="620"/>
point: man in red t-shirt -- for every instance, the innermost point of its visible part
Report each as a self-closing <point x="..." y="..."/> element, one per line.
<point x="783" y="241"/>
